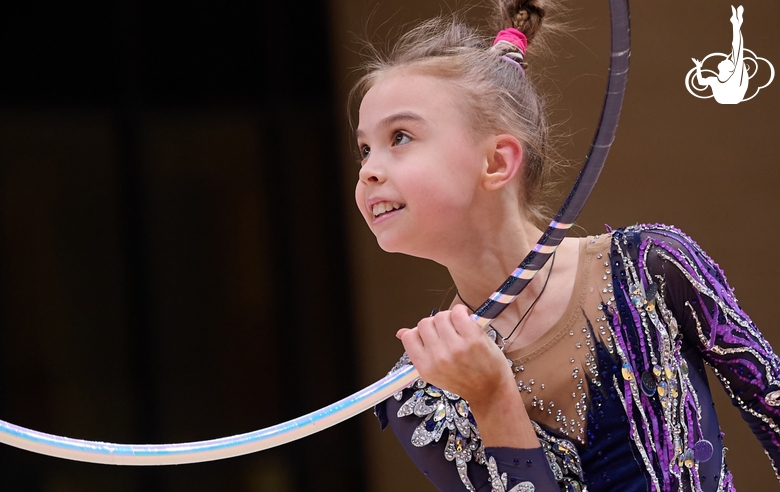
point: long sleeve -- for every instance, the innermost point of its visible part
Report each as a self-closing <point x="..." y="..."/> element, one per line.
<point x="438" y="432"/>
<point x="713" y="324"/>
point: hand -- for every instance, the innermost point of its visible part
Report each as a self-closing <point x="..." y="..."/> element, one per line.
<point x="453" y="353"/>
<point x="697" y="62"/>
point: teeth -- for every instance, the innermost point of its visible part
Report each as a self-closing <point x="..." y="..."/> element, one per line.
<point x="383" y="207"/>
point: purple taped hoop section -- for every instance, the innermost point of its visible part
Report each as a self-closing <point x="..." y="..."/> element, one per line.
<point x="620" y="51"/>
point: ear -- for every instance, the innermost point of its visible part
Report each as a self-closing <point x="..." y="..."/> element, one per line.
<point x="504" y="161"/>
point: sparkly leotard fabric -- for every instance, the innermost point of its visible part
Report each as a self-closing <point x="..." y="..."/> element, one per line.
<point x="617" y="386"/>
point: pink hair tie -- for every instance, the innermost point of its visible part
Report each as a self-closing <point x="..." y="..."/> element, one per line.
<point x="513" y="36"/>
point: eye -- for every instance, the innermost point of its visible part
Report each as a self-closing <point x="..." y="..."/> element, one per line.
<point x="364" y="151"/>
<point x="401" y="138"/>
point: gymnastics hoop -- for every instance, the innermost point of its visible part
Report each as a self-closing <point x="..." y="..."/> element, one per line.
<point x="228" y="447"/>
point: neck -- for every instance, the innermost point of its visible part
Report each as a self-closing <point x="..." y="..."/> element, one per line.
<point x="482" y="251"/>
<point x="490" y="258"/>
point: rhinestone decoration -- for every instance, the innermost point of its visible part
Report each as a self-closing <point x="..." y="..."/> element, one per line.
<point x="563" y="459"/>
<point x="773" y="398"/>
<point x="703" y="450"/>
<point x="444" y="411"/>
<point x="652" y="379"/>
<point x="523" y="487"/>
<point x="498" y="481"/>
<point x="648" y="383"/>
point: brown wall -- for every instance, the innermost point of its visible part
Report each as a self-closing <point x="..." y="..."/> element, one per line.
<point x="706" y="168"/>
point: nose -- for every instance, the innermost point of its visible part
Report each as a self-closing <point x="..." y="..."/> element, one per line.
<point x="372" y="171"/>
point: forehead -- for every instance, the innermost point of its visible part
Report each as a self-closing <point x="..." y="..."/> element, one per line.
<point x="431" y="98"/>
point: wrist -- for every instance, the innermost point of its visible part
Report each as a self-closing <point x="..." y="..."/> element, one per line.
<point x="503" y="397"/>
<point x="503" y="421"/>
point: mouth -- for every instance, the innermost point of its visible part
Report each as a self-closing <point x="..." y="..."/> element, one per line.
<point x="383" y="209"/>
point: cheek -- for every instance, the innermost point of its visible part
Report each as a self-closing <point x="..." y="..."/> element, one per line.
<point x="451" y="188"/>
<point x="360" y="199"/>
<point x="440" y="203"/>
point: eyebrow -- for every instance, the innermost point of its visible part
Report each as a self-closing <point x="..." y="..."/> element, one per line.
<point x="405" y="116"/>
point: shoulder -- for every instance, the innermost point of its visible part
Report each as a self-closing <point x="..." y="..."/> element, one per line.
<point x="651" y="241"/>
<point x="662" y="252"/>
<point x="660" y="233"/>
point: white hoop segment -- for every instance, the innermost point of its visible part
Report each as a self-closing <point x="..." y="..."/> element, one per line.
<point x="211" y="450"/>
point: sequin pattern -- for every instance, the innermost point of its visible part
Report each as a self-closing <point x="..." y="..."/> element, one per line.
<point x="655" y="386"/>
<point x="441" y="411"/>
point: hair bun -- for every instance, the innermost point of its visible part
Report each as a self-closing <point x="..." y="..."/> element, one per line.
<point x="524" y="15"/>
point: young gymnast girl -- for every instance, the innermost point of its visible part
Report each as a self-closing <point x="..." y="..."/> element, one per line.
<point x="596" y="381"/>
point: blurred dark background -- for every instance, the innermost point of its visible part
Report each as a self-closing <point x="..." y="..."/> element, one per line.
<point x="180" y="258"/>
<point x="170" y="196"/>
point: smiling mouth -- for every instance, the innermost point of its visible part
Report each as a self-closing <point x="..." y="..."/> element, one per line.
<point x="384" y="208"/>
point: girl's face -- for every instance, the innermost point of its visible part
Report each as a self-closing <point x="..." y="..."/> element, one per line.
<point x="420" y="165"/>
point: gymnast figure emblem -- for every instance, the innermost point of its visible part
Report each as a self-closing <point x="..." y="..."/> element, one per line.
<point x="735" y="70"/>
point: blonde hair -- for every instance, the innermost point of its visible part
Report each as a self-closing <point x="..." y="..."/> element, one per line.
<point x="495" y="94"/>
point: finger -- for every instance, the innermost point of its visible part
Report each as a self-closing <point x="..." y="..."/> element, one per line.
<point x="416" y="350"/>
<point x="413" y="344"/>
<point x="444" y="328"/>
<point x="427" y="331"/>
<point x="400" y="333"/>
<point x="448" y="334"/>
<point x="462" y="322"/>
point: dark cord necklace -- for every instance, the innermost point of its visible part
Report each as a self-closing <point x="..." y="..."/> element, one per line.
<point x="505" y="339"/>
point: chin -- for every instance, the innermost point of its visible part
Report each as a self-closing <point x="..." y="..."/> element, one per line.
<point x="392" y="243"/>
<point x="404" y="239"/>
<point x="403" y="247"/>
<point x="390" y="246"/>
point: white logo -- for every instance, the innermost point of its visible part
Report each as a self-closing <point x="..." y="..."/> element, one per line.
<point x="730" y="84"/>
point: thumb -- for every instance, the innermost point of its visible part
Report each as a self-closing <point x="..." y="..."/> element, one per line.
<point x="400" y="333"/>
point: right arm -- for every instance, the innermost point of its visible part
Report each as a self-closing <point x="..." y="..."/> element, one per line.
<point x="451" y="351"/>
<point x="442" y="463"/>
